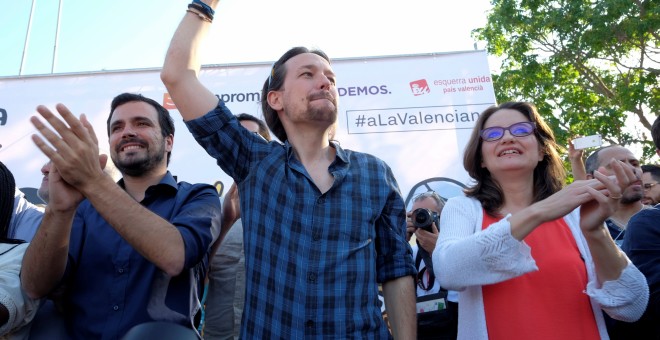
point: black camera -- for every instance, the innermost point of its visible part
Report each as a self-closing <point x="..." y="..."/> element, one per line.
<point x="423" y="218"/>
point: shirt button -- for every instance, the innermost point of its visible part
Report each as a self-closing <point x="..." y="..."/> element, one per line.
<point x="115" y="307"/>
<point x="320" y="200"/>
<point x="309" y="323"/>
<point x="121" y="270"/>
<point x="316" y="237"/>
<point x="311" y="277"/>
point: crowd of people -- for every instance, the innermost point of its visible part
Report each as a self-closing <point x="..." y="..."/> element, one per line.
<point x="311" y="234"/>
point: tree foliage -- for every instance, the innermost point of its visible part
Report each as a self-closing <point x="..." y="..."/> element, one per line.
<point x="589" y="66"/>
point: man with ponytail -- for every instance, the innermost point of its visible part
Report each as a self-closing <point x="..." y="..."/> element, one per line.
<point x="16" y="309"/>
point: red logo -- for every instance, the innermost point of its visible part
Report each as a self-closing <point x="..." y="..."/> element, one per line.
<point x="167" y="102"/>
<point x="419" y="87"/>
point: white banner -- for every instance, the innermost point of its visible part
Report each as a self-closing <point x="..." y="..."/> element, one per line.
<point x="414" y="112"/>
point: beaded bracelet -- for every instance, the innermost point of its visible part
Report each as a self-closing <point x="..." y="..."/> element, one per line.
<point x="200" y="15"/>
<point x="205" y="9"/>
<point x="199" y="9"/>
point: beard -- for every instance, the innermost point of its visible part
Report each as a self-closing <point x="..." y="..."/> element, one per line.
<point x="631" y="196"/>
<point x="42" y="193"/>
<point x="327" y="112"/>
<point x="138" y="166"/>
<point x="324" y="114"/>
<point x="311" y="110"/>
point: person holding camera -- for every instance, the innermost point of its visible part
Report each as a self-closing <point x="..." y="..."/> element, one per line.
<point x="437" y="308"/>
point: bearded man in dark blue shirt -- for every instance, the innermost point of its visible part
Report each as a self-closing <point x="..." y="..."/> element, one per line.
<point x="128" y="252"/>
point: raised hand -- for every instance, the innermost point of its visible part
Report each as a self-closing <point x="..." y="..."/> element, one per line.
<point x="410" y="227"/>
<point x="573" y="153"/>
<point x="577" y="162"/>
<point x="605" y="202"/>
<point x="74" y="151"/>
<point x="62" y="196"/>
<point x="427" y="240"/>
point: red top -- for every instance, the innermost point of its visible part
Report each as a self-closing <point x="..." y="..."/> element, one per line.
<point x="550" y="303"/>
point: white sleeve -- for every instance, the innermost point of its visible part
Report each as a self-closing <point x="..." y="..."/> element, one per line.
<point x="21" y="308"/>
<point x="469" y="256"/>
<point x="625" y="298"/>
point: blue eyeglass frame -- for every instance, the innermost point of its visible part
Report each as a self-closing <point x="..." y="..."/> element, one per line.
<point x="485" y="131"/>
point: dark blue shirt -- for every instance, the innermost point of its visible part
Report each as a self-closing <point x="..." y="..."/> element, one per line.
<point x="110" y="287"/>
<point x="313" y="260"/>
<point x="642" y="245"/>
<point x="616" y="232"/>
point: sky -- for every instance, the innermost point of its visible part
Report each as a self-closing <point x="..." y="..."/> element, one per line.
<point x="121" y="34"/>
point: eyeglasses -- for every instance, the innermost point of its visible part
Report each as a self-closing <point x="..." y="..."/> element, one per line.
<point x="494" y="133"/>
<point x="648" y="186"/>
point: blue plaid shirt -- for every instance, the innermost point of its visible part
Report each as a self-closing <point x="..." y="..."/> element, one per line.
<point x="313" y="260"/>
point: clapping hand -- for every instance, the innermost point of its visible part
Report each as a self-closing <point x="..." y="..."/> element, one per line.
<point x="74" y="152"/>
<point x="606" y="201"/>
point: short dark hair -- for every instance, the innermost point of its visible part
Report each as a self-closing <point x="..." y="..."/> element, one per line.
<point x="164" y="119"/>
<point x="592" y="163"/>
<point x="263" y="129"/>
<point x="655" y="132"/>
<point x="275" y="82"/>
<point x="653" y="169"/>
<point x="7" y="190"/>
<point x="549" y="174"/>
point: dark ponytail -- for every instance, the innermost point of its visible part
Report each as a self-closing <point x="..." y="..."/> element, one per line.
<point x="7" y="189"/>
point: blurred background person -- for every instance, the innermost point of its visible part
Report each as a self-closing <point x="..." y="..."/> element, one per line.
<point x="226" y="278"/>
<point x="16" y="309"/>
<point x="631" y="198"/>
<point x="650" y="179"/>
<point x="437" y="308"/>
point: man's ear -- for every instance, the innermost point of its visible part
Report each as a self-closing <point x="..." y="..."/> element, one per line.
<point x="169" y="143"/>
<point x="275" y="100"/>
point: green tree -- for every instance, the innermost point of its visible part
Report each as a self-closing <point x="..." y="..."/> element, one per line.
<point x="588" y="65"/>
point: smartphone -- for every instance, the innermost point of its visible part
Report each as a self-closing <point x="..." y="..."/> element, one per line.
<point x="587" y="142"/>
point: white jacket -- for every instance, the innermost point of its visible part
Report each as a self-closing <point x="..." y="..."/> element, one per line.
<point x="469" y="258"/>
<point x="21" y="308"/>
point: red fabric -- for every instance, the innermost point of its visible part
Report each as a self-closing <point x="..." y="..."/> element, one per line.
<point x="546" y="304"/>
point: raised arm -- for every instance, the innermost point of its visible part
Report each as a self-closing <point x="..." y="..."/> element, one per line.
<point x="609" y="260"/>
<point x="181" y="69"/>
<point x="230" y="214"/>
<point x="577" y="162"/>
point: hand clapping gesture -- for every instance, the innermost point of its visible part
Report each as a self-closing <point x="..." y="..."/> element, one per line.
<point x="605" y="201"/>
<point x="74" y="153"/>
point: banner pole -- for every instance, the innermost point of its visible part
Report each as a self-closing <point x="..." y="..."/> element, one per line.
<point x="57" y="37"/>
<point x="27" y="39"/>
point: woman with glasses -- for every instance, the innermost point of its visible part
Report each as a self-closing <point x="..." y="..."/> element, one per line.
<point x="532" y="259"/>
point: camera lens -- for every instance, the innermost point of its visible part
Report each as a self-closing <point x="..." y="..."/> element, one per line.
<point x="422" y="218"/>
